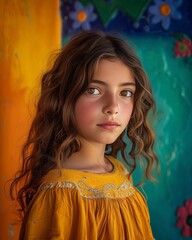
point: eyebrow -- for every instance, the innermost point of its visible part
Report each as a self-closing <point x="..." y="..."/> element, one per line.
<point x="121" y="85"/>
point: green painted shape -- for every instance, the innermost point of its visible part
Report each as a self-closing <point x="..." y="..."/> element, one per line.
<point x="108" y="11"/>
<point x="134" y="8"/>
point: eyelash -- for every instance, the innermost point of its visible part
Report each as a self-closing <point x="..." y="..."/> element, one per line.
<point x="130" y="93"/>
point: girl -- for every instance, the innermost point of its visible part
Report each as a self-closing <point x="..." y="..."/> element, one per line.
<point x="95" y="97"/>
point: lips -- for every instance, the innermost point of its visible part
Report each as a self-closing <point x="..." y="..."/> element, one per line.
<point x="109" y="125"/>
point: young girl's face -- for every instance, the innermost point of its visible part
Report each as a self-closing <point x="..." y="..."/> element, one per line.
<point x="103" y="111"/>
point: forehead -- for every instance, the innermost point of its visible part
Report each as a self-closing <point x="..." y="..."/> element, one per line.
<point x="113" y="69"/>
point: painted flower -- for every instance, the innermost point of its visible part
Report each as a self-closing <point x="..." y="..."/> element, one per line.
<point x="183" y="48"/>
<point x="185" y="218"/>
<point x="163" y="11"/>
<point x="82" y="16"/>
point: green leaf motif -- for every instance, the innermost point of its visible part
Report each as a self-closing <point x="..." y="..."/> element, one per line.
<point x="108" y="10"/>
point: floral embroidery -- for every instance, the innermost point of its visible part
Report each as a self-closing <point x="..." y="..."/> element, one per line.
<point x="163" y="11"/>
<point x="183" y="48"/>
<point x="82" y="16"/>
<point x="106" y="191"/>
<point x="57" y="185"/>
<point x="185" y="218"/>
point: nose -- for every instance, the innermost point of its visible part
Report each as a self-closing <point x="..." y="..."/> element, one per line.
<point x="111" y="106"/>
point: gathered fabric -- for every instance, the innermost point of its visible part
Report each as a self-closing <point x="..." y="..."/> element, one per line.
<point x="78" y="205"/>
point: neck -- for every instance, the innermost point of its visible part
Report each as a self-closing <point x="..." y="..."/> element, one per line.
<point x="91" y="157"/>
<point x="90" y="153"/>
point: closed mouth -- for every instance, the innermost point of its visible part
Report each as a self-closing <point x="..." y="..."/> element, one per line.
<point x="109" y="125"/>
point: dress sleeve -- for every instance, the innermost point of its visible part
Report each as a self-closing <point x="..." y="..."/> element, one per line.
<point x="48" y="216"/>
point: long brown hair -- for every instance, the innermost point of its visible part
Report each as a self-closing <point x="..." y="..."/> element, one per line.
<point x="53" y="135"/>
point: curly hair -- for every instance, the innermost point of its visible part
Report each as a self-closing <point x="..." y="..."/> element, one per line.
<point x="53" y="132"/>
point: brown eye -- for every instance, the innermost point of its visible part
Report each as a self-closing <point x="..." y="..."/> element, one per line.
<point x="93" y="91"/>
<point x="126" y="93"/>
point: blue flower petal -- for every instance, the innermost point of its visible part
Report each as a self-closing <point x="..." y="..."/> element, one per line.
<point x="165" y="23"/>
<point x="92" y="17"/>
<point x="154" y="10"/>
<point x="73" y="15"/>
<point x="156" y="19"/>
<point x="76" y="24"/>
<point x="89" y="7"/>
<point x="86" y="26"/>
<point x="89" y="12"/>
<point x="176" y="15"/>
<point x="78" y="6"/>
<point x="158" y="2"/>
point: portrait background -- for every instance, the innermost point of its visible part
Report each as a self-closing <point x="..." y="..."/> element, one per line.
<point x="160" y="32"/>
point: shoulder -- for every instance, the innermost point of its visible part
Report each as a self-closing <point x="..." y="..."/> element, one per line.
<point x="54" y="196"/>
<point x="52" y="203"/>
<point x="49" y="192"/>
<point x="119" y="165"/>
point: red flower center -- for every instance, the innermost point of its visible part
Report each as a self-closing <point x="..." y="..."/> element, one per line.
<point x="189" y="220"/>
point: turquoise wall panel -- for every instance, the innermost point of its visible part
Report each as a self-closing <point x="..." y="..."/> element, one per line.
<point x="171" y="80"/>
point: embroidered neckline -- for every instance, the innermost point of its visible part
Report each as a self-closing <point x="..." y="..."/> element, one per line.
<point x="123" y="190"/>
<point x="87" y="185"/>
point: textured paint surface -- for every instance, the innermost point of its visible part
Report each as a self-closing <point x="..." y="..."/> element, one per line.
<point x="30" y="31"/>
<point x="171" y="80"/>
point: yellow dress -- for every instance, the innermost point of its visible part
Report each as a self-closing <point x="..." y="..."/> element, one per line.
<point x="79" y="205"/>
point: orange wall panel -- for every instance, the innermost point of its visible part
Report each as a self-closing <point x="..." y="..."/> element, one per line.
<point x="29" y="32"/>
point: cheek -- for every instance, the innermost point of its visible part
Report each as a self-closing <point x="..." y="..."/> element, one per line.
<point x="126" y="111"/>
<point x="85" y="112"/>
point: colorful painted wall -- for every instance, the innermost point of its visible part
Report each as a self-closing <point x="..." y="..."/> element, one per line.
<point x="161" y="32"/>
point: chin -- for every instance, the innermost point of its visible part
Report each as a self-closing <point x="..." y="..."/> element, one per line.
<point x="109" y="141"/>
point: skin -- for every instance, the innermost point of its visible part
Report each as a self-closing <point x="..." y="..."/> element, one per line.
<point x="102" y="113"/>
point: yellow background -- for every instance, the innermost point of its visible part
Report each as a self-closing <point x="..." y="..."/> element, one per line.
<point x="29" y="32"/>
